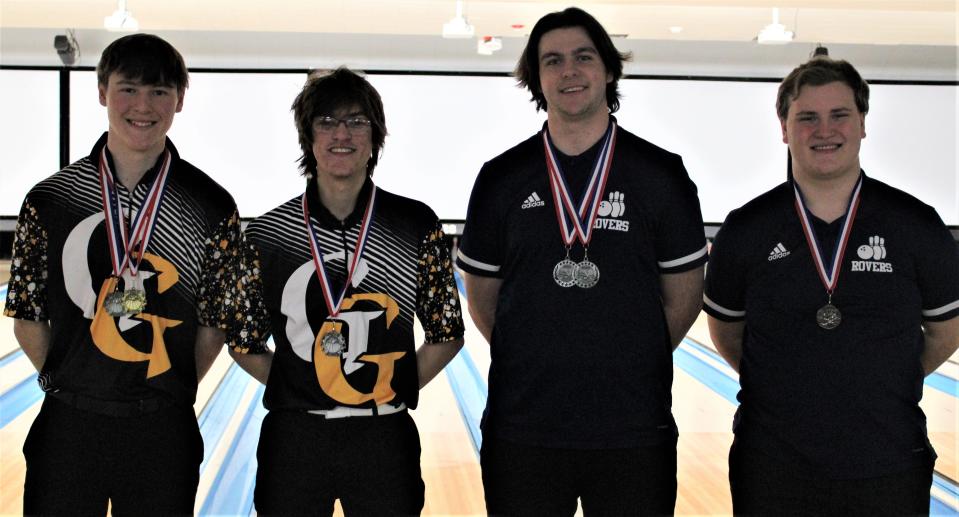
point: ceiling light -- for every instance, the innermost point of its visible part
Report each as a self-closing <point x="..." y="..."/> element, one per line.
<point x="486" y="45"/>
<point x="775" y="33"/>
<point x="675" y="29"/>
<point x="458" y="27"/>
<point x="121" y="20"/>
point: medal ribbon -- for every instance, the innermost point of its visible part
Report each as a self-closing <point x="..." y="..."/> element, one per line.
<point x="577" y="222"/>
<point x="828" y="273"/>
<point x="333" y="304"/>
<point x="124" y="243"/>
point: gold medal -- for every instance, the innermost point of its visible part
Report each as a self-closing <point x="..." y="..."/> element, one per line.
<point x="134" y="301"/>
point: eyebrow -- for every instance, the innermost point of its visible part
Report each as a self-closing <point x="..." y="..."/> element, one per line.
<point x="833" y="110"/>
<point x="136" y="82"/>
<point x="577" y="51"/>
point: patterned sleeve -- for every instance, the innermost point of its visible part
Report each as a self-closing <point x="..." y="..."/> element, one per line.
<point x="251" y="323"/>
<point x="437" y="301"/>
<point x="215" y="301"/>
<point x="27" y="291"/>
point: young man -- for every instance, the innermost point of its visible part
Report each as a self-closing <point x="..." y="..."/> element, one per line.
<point x="833" y="295"/>
<point x="583" y="252"/>
<point x="122" y="267"/>
<point x="336" y="275"/>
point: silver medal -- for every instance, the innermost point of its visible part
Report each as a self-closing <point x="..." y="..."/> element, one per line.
<point x="333" y="343"/>
<point x="828" y="316"/>
<point x="113" y="304"/>
<point x="587" y="274"/>
<point x="564" y="273"/>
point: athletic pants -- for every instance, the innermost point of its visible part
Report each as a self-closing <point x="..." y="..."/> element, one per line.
<point x="370" y="463"/>
<point x="762" y="485"/>
<point x="144" y="464"/>
<point x="526" y="480"/>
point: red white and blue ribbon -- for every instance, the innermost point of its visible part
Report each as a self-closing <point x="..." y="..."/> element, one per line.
<point x="333" y="304"/>
<point x="576" y="220"/>
<point x="828" y="273"/>
<point x="128" y="244"/>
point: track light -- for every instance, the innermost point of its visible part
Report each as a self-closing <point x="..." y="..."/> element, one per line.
<point x="458" y="27"/>
<point x="67" y="47"/>
<point x="121" y="20"/>
<point x="775" y="33"/>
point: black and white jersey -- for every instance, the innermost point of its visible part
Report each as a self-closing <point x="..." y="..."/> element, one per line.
<point x="404" y="270"/>
<point x="61" y="264"/>
<point x="574" y="367"/>
<point x="841" y="402"/>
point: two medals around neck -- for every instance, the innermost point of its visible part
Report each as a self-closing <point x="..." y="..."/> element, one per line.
<point x="128" y="241"/>
<point x="576" y="219"/>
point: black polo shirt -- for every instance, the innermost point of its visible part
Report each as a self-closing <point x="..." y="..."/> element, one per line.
<point x="405" y="270"/>
<point x="572" y="367"/>
<point x="844" y="402"/>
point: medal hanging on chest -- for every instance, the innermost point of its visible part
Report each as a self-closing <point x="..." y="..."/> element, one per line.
<point x="333" y="342"/>
<point x="828" y="316"/>
<point x="128" y="243"/>
<point x="576" y="221"/>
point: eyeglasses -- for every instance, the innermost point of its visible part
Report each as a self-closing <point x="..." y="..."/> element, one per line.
<point x="355" y="125"/>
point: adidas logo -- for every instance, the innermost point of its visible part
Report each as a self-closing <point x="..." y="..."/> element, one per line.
<point x="778" y="252"/>
<point x="532" y="201"/>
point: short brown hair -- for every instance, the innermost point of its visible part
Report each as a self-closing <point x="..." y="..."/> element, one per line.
<point x="145" y="58"/>
<point x="818" y="71"/>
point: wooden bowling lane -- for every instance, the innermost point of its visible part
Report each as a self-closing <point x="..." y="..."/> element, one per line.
<point x="449" y="462"/>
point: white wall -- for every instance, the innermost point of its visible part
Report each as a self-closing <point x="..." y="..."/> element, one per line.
<point x="29" y="133"/>
<point x="238" y="128"/>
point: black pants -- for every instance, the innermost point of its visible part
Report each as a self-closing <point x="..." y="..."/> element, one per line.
<point x="77" y="460"/>
<point x="526" y="480"/>
<point x="306" y="462"/>
<point x="762" y="485"/>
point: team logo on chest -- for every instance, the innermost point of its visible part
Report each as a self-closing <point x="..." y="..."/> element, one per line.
<point x="610" y="211"/>
<point x="872" y="256"/>
<point x="106" y="329"/>
<point x="356" y="315"/>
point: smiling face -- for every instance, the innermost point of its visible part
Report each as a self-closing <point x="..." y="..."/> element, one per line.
<point x="139" y="114"/>
<point x="342" y="154"/>
<point x="824" y="130"/>
<point x="572" y="75"/>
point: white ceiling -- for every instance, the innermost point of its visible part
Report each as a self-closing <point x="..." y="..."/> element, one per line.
<point x="894" y="39"/>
